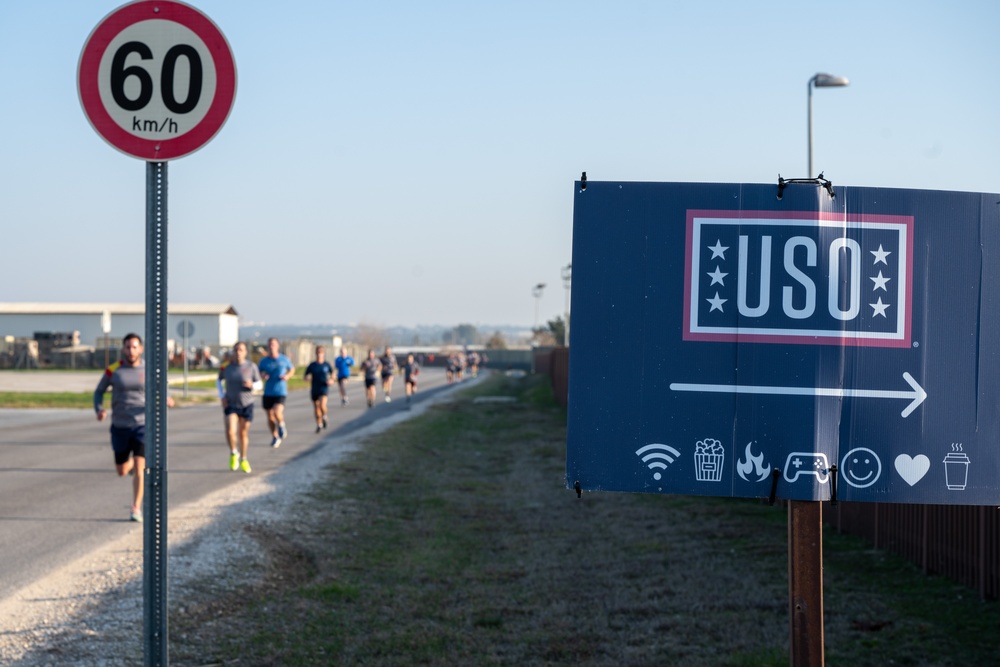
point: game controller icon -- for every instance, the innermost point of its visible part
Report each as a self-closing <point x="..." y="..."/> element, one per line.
<point x="807" y="463"/>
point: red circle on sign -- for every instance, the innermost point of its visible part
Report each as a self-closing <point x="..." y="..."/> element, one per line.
<point x="156" y="150"/>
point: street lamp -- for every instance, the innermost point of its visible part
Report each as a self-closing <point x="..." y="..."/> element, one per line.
<point x="820" y="81"/>
<point x="536" y="292"/>
<point x="567" y="277"/>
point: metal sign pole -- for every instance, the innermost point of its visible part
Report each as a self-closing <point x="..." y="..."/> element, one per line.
<point x="154" y="572"/>
<point x="185" y="325"/>
<point x="805" y="583"/>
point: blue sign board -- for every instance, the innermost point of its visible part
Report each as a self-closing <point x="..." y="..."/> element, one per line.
<point x="724" y="337"/>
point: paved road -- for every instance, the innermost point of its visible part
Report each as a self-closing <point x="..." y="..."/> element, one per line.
<point x="60" y="497"/>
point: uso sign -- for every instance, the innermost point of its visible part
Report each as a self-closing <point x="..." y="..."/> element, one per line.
<point x="727" y="342"/>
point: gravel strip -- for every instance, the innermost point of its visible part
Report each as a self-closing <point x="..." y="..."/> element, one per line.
<point x="90" y="612"/>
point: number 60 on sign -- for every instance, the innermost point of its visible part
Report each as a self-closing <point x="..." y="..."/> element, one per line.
<point x="156" y="79"/>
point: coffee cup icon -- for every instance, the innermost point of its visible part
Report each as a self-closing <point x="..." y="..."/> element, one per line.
<point x="956" y="471"/>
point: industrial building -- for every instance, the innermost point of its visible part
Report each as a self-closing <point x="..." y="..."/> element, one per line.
<point x="100" y="325"/>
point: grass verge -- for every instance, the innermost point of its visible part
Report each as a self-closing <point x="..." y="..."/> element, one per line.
<point x="451" y="540"/>
<point x="77" y="400"/>
<point x="55" y="399"/>
<point x="69" y="399"/>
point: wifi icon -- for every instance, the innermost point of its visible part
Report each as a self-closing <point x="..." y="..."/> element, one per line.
<point x="654" y="456"/>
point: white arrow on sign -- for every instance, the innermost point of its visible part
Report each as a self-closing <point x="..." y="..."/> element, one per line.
<point x="916" y="396"/>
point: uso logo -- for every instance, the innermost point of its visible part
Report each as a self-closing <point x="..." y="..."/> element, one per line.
<point x="803" y="277"/>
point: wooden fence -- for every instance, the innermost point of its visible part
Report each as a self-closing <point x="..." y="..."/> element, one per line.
<point x="961" y="542"/>
<point x="559" y="372"/>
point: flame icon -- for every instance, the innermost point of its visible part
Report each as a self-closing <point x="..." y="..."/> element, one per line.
<point x="752" y="464"/>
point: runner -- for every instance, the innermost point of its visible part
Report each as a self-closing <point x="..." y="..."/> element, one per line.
<point x="321" y="374"/>
<point x="343" y="364"/>
<point x="411" y="369"/>
<point x="473" y="363"/>
<point x="227" y="359"/>
<point x="276" y="368"/>
<point x="388" y="361"/>
<point x="370" y="367"/>
<point x="238" y="379"/>
<point x="127" y="380"/>
<point x="450" y="368"/>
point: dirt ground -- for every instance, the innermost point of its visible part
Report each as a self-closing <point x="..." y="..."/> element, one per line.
<point x="452" y="540"/>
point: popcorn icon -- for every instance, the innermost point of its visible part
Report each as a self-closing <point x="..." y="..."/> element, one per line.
<point x="709" y="456"/>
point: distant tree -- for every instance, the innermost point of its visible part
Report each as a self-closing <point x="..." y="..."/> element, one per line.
<point x="416" y="339"/>
<point x="496" y="342"/>
<point x="371" y="337"/>
<point x="447" y="336"/>
<point x="466" y="334"/>
<point x="543" y="337"/>
<point x="557" y="328"/>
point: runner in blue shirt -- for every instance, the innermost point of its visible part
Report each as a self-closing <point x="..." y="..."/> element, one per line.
<point x="321" y="374"/>
<point x="276" y="368"/>
<point x="343" y="364"/>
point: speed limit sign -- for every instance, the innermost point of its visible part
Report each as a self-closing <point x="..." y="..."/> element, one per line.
<point x="156" y="79"/>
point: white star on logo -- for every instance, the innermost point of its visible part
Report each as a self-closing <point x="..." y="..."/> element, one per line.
<point x="879" y="308"/>
<point x="718" y="250"/>
<point x="718" y="275"/>
<point x="880" y="255"/>
<point x="880" y="282"/>
<point x="716" y="303"/>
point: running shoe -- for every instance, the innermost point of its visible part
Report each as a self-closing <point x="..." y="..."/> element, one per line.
<point x="318" y="428"/>
<point x="234" y="461"/>
<point x="245" y="466"/>
<point x="282" y="431"/>
<point x="388" y="399"/>
<point x="276" y="442"/>
<point x="136" y="516"/>
<point x="324" y="422"/>
<point x="343" y="401"/>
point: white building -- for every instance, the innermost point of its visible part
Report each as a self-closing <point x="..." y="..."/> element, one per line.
<point x="215" y="325"/>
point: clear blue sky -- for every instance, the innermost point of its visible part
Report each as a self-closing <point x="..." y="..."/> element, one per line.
<point x="413" y="163"/>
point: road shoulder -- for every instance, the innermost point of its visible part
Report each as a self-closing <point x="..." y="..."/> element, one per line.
<point x="92" y="608"/>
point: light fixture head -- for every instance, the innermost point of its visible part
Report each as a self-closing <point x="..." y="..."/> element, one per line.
<point x="829" y="81"/>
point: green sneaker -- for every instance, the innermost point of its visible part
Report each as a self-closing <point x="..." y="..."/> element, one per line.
<point x="245" y="465"/>
<point x="234" y="461"/>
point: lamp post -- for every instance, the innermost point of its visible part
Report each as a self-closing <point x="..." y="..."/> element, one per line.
<point x="536" y="292"/>
<point x="805" y="521"/>
<point x="820" y="81"/>
<point x="567" y="277"/>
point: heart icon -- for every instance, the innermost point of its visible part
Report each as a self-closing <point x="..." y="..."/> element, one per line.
<point x="913" y="469"/>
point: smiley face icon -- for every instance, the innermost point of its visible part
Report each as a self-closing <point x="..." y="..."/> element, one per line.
<point x="861" y="467"/>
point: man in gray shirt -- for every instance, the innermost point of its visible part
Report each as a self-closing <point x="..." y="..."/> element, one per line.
<point x="238" y="379"/>
<point x="127" y="380"/>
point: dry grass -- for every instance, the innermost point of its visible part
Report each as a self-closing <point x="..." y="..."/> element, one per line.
<point x="451" y="540"/>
